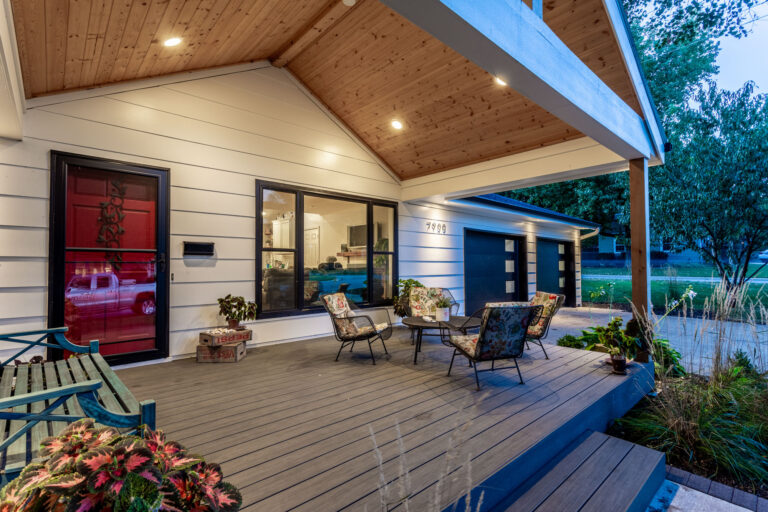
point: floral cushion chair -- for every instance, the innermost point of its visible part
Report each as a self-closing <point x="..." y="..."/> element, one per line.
<point x="502" y="335"/>
<point x="423" y="301"/>
<point x="551" y="303"/>
<point x="350" y="326"/>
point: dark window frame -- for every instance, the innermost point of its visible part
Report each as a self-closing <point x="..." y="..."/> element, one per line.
<point x="300" y="192"/>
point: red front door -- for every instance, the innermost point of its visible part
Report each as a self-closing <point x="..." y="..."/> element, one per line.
<point x="113" y="266"/>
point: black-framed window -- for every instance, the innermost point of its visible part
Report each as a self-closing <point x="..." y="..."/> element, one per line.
<point x="312" y="243"/>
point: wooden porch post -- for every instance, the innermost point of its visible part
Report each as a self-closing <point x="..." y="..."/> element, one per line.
<point x="639" y="236"/>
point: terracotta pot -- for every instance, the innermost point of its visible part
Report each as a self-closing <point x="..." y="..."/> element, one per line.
<point x="619" y="364"/>
<point x="233" y="324"/>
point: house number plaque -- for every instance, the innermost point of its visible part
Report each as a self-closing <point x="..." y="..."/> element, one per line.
<point x="436" y="227"/>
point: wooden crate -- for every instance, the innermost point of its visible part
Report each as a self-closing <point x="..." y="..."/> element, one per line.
<point x="227" y="353"/>
<point x="214" y="339"/>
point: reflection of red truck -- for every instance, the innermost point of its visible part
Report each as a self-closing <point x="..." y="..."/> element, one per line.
<point x="96" y="294"/>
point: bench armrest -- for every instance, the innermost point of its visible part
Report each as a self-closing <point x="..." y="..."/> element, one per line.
<point x="48" y="394"/>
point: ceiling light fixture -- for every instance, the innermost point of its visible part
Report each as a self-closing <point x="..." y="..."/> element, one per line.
<point x="500" y="81"/>
<point x="174" y="41"/>
<point x="397" y="125"/>
<point x="349" y="3"/>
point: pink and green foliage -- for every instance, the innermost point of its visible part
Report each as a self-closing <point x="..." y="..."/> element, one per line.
<point x="87" y="469"/>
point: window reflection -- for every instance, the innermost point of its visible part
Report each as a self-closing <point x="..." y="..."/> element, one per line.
<point x="279" y="219"/>
<point x="278" y="281"/>
<point x="335" y="249"/>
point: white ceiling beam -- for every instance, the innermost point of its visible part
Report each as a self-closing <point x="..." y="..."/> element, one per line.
<point x="11" y="88"/>
<point x="507" y="39"/>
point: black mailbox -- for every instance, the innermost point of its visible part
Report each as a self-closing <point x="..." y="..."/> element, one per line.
<point x="198" y="248"/>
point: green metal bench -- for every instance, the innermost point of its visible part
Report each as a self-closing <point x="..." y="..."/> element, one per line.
<point x="38" y="400"/>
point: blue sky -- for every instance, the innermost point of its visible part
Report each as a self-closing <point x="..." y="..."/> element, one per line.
<point x="747" y="58"/>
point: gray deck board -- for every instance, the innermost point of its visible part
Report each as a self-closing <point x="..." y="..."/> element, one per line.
<point x="291" y="427"/>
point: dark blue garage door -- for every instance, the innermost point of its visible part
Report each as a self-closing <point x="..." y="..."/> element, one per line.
<point x="494" y="269"/>
<point x="555" y="269"/>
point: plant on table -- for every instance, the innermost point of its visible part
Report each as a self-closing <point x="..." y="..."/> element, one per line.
<point x="87" y="469"/>
<point x="236" y="309"/>
<point x="443" y="309"/>
<point x="401" y="302"/>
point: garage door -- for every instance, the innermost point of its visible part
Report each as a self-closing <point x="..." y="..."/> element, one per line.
<point x="494" y="269"/>
<point x="555" y="269"/>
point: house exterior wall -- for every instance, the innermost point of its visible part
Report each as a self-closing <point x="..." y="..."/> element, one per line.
<point x="218" y="135"/>
<point x="438" y="259"/>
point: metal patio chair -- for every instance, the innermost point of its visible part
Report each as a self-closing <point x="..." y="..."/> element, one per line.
<point x="552" y="302"/>
<point x="502" y="335"/>
<point x="351" y="324"/>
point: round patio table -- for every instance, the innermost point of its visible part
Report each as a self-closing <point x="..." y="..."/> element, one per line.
<point x="457" y="323"/>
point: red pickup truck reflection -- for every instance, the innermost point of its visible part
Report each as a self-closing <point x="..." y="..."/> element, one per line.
<point x="100" y="293"/>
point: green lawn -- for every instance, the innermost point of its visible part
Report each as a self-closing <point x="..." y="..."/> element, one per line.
<point x="661" y="290"/>
<point x="682" y="270"/>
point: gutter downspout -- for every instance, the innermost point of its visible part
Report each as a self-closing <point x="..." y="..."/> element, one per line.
<point x="590" y="234"/>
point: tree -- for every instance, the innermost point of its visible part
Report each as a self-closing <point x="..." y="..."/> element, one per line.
<point x="716" y="195"/>
<point x="677" y="44"/>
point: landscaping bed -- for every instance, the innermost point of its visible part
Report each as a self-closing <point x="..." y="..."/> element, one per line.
<point x="715" y="425"/>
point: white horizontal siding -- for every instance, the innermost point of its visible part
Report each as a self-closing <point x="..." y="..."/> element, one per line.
<point x="217" y="136"/>
<point x="438" y="260"/>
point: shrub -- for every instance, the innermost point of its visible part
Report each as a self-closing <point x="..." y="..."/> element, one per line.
<point x="87" y="469"/>
<point x="571" y="341"/>
<point x="712" y="427"/>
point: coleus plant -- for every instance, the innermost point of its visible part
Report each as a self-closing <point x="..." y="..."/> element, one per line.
<point x="86" y="469"/>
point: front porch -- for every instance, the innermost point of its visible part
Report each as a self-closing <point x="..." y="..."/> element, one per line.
<point x="292" y="428"/>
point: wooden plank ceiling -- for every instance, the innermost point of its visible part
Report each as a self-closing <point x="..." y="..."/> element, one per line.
<point x="368" y="64"/>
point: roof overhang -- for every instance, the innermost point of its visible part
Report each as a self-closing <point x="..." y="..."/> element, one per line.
<point x="510" y="41"/>
<point x="577" y="104"/>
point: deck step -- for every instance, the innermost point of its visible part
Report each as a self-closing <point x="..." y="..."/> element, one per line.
<point x="595" y="474"/>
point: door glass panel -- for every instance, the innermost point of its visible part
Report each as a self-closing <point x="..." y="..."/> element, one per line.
<point x="383" y="228"/>
<point x="110" y="295"/>
<point x="114" y="306"/>
<point x="338" y="260"/>
<point x="278" y="285"/>
<point x="279" y="219"/>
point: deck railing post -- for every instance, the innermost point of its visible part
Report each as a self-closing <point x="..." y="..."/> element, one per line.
<point x="639" y="234"/>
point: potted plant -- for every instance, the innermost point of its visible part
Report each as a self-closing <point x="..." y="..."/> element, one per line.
<point x="402" y="301"/>
<point x="443" y="309"/>
<point x="236" y="309"/>
<point x="97" y="468"/>
<point x="618" y="360"/>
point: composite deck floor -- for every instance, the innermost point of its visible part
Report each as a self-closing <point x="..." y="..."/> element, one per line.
<point x="295" y="430"/>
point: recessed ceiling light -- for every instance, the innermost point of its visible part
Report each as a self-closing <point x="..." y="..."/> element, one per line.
<point x="397" y="125"/>
<point x="174" y="41"/>
<point x="500" y="81"/>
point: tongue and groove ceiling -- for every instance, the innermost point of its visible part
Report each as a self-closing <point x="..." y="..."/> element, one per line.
<point x="368" y="64"/>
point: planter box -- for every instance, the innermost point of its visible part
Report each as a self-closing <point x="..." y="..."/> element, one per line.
<point x="218" y="337"/>
<point x="228" y="353"/>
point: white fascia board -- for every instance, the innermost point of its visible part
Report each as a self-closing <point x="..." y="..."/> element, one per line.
<point x="11" y="87"/>
<point x="624" y="38"/>
<point x="579" y="158"/>
<point x="508" y="40"/>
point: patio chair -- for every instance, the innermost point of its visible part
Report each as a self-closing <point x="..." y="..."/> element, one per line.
<point x="502" y="336"/>
<point x="551" y="302"/>
<point x="350" y="326"/>
<point x="423" y="302"/>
